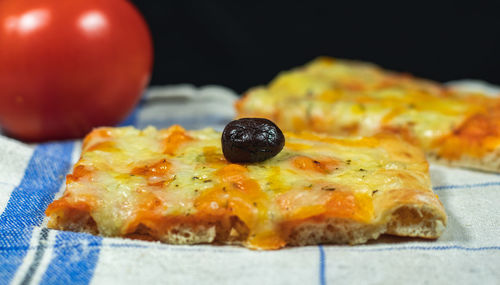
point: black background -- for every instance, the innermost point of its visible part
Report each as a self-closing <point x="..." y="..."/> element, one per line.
<point x="241" y="44"/>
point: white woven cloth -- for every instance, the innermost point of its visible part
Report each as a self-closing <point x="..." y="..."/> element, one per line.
<point x="31" y="176"/>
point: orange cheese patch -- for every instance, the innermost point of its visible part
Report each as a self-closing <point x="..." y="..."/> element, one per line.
<point x="78" y="172"/>
<point x="325" y="165"/>
<point x="477" y="136"/>
<point x="175" y="138"/>
<point x="237" y="194"/>
<point x="157" y="173"/>
<point x="95" y="137"/>
<point x="346" y="205"/>
<point x="214" y="156"/>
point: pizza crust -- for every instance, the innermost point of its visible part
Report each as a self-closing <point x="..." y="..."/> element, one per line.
<point x="488" y="162"/>
<point x="418" y="215"/>
<point x="414" y="221"/>
<point x="333" y="231"/>
<point x="406" y="213"/>
<point x="407" y="221"/>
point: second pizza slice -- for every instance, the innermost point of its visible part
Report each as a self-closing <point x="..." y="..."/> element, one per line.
<point x="342" y="97"/>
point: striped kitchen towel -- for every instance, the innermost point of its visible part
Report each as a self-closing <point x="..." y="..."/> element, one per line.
<point x="31" y="176"/>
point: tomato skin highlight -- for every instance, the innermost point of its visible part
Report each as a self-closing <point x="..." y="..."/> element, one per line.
<point x="69" y="66"/>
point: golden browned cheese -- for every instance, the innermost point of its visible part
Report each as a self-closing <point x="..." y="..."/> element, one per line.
<point x="343" y="97"/>
<point x="175" y="186"/>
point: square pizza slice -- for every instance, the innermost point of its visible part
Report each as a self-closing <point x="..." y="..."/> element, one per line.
<point x="343" y="97"/>
<point x="175" y="186"/>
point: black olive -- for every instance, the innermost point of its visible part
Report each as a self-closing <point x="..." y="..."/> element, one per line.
<point x="251" y="140"/>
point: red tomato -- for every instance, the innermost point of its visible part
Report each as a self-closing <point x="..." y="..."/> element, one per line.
<point x="69" y="66"/>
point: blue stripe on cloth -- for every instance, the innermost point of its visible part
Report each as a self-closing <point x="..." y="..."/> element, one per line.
<point x="25" y="209"/>
<point x="74" y="259"/>
<point x="485" y="184"/>
<point x="322" y="262"/>
<point x="14" y="245"/>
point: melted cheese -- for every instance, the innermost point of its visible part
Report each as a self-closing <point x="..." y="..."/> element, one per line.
<point x="351" y="98"/>
<point x="128" y="177"/>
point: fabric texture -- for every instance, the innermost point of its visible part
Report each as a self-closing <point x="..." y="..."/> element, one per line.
<point x="31" y="176"/>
